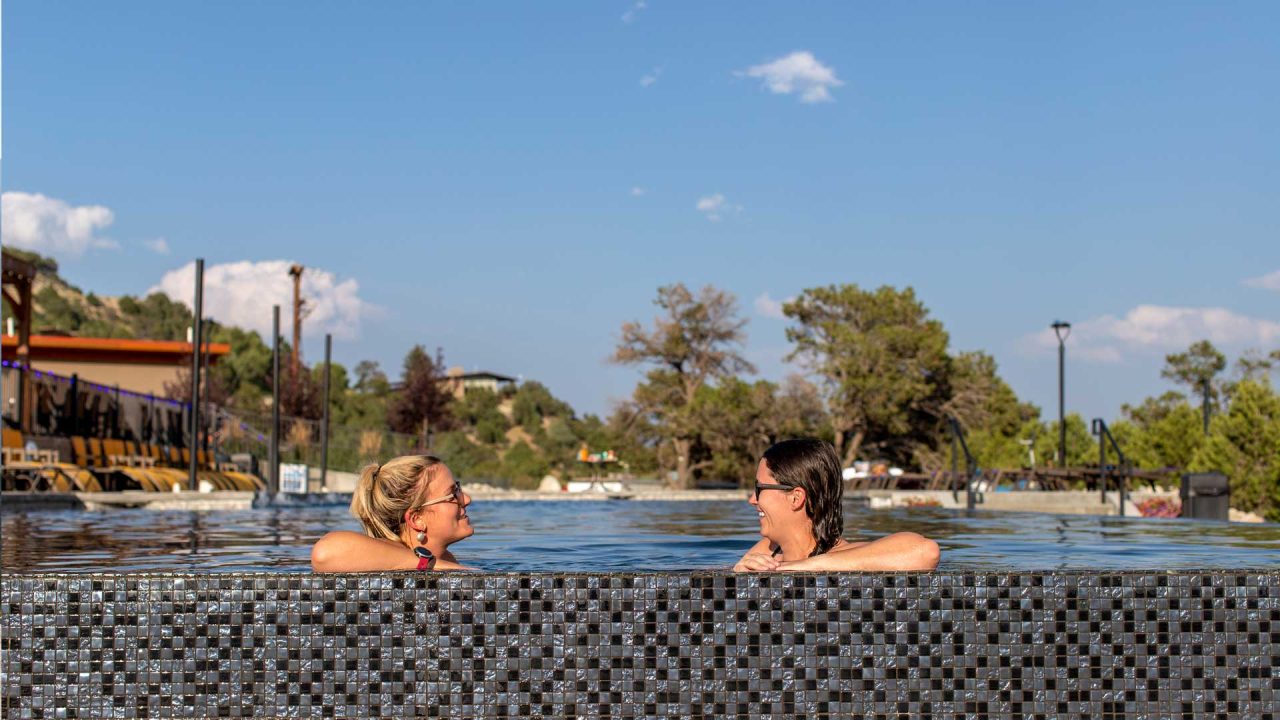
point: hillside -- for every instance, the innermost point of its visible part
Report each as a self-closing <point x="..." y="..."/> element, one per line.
<point x="61" y="308"/>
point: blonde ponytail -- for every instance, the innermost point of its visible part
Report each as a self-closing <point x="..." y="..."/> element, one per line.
<point x="385" y="492"/>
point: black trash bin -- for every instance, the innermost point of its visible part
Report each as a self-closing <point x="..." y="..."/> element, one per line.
<point x="1205" y="496"/>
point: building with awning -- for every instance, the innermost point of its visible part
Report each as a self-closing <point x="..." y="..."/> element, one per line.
<point x="143" y="366"/>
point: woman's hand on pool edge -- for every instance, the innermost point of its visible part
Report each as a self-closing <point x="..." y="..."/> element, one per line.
<point x="757" y="562"/>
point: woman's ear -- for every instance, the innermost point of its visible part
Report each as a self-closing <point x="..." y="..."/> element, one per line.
<point x="798" y="498"/>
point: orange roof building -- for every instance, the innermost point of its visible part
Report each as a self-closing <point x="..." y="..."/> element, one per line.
<point x="143" y="366"/>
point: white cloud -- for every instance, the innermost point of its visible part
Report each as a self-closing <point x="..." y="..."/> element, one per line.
<point x="637" y="191"/>
<point x="242" y="293"/>
<point x="1270" y="281"/>
<point x="1156" y="329"/>
<point x="51" y="226"/>
<point x="632" y="11"/>
<point x="711" y="206"/>
<point x="651" y="77"/>
<point x="770" y="308"/>
<point x="160" y="246"/>
<point x="716" y="206"/>
<point x="799" y="72"/>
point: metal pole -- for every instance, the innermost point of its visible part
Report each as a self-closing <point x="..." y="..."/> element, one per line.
<point x="1062" y="403"/>
<point x="193" y="465"/>
<point x="1123" y="479"/>
<point x="1102" y="458"/>
<point x="75" y="404"/>
<point x="955" y="466"/>
<point x="324" y="423"/>
<point x="273" y="456"/>
<point x="204" y="377"/>
<point x="1204" y="405"/>
<point x="971" y="499"/>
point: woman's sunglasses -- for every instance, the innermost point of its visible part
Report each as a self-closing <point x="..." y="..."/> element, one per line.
<point x="772" y="486"/>
<point x="455" y="495"/>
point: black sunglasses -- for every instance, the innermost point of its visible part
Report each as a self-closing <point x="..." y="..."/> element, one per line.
<point x="772" y="486"/>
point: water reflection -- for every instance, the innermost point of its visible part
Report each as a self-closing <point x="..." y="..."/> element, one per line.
<point x="612" y="535"/>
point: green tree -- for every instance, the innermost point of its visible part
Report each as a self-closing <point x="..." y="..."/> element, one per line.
<point x="524" y="466"/>
<point x="560" y="440"/>
<point x="492" y="428"/>
<point x="246" y="370"/>
<point x="998" y="427"/>
<point x="371" y="379"/>
<point x="475" y="405"/>
<point x="1253" y="365"/>
<point x="1197" y="369"/>
<point x="533" y="402"/>
<point x="695" y="341"/>
<point x="1082" y="446"/>
<point x="158" y="317"/>
<point x="739" y="422"/>
<point x="421" y="402"/>
<point x="1163" y="432"/>
<point x="879" y="355"/>
<point x="44" y="265"/>
<point x="631" y="433"/>
<point x="465" y="458"/>
<point x="1244" y="443"/>
<point x="799" y="411"/>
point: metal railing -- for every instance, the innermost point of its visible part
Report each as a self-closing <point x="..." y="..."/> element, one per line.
<point x="1119" y="471"/>
<point x="958" y="443"/>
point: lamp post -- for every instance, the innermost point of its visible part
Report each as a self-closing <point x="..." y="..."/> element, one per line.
<point x="1062" y="330"/>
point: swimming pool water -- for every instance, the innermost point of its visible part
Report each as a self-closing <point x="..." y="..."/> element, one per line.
<point x="616" y="535"/>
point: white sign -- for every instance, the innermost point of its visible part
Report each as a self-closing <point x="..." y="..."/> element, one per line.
<point x="293" y="478"/>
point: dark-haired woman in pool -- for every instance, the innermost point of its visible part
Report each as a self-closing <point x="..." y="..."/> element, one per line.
<point x="798" y="496"/>
<point x="412" y="510"/>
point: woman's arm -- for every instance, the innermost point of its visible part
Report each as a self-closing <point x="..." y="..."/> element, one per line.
<point x="344" y="551"/>
<point x="758" y="559"/>
<point x="899" y="551"/>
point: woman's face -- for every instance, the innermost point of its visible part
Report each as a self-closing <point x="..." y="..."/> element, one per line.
<point x="445" y="518"/>
<point x="777" y="508"/>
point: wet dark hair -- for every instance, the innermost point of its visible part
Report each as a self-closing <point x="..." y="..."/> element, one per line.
<point x="812" y="464"/>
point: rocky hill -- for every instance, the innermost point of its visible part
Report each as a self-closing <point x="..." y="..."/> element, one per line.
<point x="61" y="308"/>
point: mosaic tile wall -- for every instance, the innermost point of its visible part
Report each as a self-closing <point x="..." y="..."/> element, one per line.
<point x="944" y="645"/>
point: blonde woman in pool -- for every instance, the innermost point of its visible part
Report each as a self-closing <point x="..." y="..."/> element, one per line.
<point x="798" y="496"/>
<point x="412" y="510"/>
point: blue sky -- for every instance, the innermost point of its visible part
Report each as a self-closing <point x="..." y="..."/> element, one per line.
<point x="512" y="182"/>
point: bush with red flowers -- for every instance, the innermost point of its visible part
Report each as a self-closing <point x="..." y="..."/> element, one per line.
<point x="1160" y="507"/>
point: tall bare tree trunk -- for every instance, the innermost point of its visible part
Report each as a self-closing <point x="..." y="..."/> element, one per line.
<point x="851" y="452"/>
<point x="684" y="474"/>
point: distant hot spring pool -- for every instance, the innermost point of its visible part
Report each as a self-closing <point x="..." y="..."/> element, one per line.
<point x="616" y="535"/>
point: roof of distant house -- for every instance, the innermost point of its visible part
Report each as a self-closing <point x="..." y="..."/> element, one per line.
<point x="124" y="350"/>
<point x="456" y="372"/>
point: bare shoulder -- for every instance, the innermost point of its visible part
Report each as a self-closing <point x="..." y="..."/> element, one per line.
<point x="843" y="544"/>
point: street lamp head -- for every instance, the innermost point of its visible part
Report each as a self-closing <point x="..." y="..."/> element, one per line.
<point x="1061" y="329"/>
